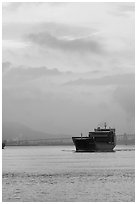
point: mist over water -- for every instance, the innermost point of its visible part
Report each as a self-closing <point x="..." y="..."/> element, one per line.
<point x="60" y="174"/>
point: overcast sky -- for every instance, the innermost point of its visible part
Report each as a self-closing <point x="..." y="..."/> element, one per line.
<point x="68" y="67"/>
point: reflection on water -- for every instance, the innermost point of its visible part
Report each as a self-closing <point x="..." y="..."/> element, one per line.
<point x="58" y="173"/>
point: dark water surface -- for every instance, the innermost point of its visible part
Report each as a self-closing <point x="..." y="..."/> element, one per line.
<point x="58" y="173"/>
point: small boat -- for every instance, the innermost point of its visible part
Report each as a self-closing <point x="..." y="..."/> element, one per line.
<point x="3" y="145"/>
<point x="100" y="140"/>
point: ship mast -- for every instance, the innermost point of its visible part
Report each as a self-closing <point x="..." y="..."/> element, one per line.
<point x="105" y="125"/>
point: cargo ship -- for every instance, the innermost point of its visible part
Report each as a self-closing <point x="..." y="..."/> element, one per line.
<point x="100" y="140"/>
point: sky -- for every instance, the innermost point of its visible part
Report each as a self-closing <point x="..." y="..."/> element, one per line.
<point x="69" y="67"/>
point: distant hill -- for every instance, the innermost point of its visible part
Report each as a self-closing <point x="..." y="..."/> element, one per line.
<point x="17" y="131"/>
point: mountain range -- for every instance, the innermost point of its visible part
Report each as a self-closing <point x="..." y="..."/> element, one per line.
<point x="18" y="131"/>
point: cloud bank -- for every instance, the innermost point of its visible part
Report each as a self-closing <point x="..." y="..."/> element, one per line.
<point x="83" y="44"/>
<point x="64" y="63"/>
<point x="122" y="79"/>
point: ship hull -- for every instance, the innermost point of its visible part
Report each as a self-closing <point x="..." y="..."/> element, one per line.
<point x="86" y="144"/>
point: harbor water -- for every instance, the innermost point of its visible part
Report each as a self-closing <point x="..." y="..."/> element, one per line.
<point x="59" y="174"/>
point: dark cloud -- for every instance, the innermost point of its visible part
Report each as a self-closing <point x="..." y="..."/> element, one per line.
<point x="60" y="29"/>
<point x="21" y="74"/>
<point x="34" y="72"/>
<point x="56" y="29"/>
<point x="122" y="79"/>
<point x="83" y="44"/>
